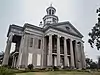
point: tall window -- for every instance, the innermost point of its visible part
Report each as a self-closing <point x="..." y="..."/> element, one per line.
<point x="39" y="43"/>
<point x="52" y="12"/>
<point x="38" y="59"/>
<point x="31" y="42"/>
<point x="49" y="12"/>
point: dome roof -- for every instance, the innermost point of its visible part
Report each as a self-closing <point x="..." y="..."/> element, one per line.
<point x="50" y="8"/>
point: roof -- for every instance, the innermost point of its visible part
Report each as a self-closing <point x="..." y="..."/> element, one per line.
<point x="26" y="25"/>
<point x="32" y="27"/>
<point x="67" y="22"/>
<point x="14" y="27"/>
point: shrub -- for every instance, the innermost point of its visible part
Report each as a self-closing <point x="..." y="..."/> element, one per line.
<point x="6" y="66"/>
<point x="66" y="67"/>
<point x="30" y="66"/>
<point x="55" y="68"/>
<point x="6" y="71"/>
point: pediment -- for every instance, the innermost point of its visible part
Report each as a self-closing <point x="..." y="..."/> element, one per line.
<point x="68" y="27"/>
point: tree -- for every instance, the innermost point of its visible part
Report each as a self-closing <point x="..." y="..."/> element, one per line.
<point x="99" y="62"/>
<point x="88" y="62"/>
<point x="1" y="56"/>
<point x="30" y="66"/>
<point x="95" y="33"/>
<point x="91" y="64"/>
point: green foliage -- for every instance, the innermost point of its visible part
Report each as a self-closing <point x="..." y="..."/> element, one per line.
<point x="95" y="34"/>
<point x="55" y="68"/>
<point x="6" y="71"/>
<point x="30" y="66"/>
<point x="1" y="56"/>
<point x="91" y="64"/>
<point x="99" y="62"/>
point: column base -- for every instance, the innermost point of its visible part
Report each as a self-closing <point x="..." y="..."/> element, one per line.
<point x="22" y="66"/>
<point x="72" y="67"/>
<point x="49" y="66"/>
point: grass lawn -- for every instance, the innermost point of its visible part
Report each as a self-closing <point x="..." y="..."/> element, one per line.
<point x="59" y="73"/>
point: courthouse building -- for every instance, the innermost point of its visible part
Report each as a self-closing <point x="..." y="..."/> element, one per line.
<point x="53" y="44"/>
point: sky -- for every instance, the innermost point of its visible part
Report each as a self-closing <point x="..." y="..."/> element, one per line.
<point x="81" y="13"/>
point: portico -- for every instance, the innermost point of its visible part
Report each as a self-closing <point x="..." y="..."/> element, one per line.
<point x="62" y="51"/>
<point x="10" y="58"/>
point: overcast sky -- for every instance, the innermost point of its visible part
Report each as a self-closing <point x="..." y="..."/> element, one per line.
<point x="81" y="13"/>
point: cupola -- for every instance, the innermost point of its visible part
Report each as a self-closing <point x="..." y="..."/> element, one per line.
<point x="50" y="18"/>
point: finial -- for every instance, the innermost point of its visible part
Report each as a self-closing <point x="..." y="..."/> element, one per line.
<point x="51" y="4"/>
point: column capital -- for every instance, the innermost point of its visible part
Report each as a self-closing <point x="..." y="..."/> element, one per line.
<point x="65" y="38"/>
<point x="71" y="39"/>
<point x="10" y="37"/>
<point x="58" y="36"/>
<point x="50" y="34"/>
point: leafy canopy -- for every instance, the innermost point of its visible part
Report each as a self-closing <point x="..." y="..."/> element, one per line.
<point x="95" y="33"/>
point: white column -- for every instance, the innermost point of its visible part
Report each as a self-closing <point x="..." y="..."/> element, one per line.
<point x="83" y="56"/>
<point x="14" y="62"/>
<point x="58" y="50"/>
<point x="43" y="48"/>
<point x="20" y="52"/>
<point x="65" y="53"/>
<point x="72" y="54"/>
<point x="50" y="51"/>
<point x="76" y="55"/>
<point x="7" y="51"/>
<point x="24" y="60"/>
<point x="79" y="55"/>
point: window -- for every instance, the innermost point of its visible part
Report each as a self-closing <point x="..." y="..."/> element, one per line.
<point x="38" y="59"/>
<point x="30" y="58"/>
<point x="54" y="20"/>
<point x="31" y="42"/>
<point x="39" y="43"/>
<point x="49" y="12"/>
<point x="67" y="28"/>
<point x="52" y="12"/>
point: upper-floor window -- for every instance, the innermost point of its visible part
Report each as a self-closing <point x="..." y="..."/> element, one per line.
<point x="39" y="43"/>
<point x="31" y="42"/>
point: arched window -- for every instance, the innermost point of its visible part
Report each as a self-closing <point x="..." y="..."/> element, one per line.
<point x="50" y="12"/>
